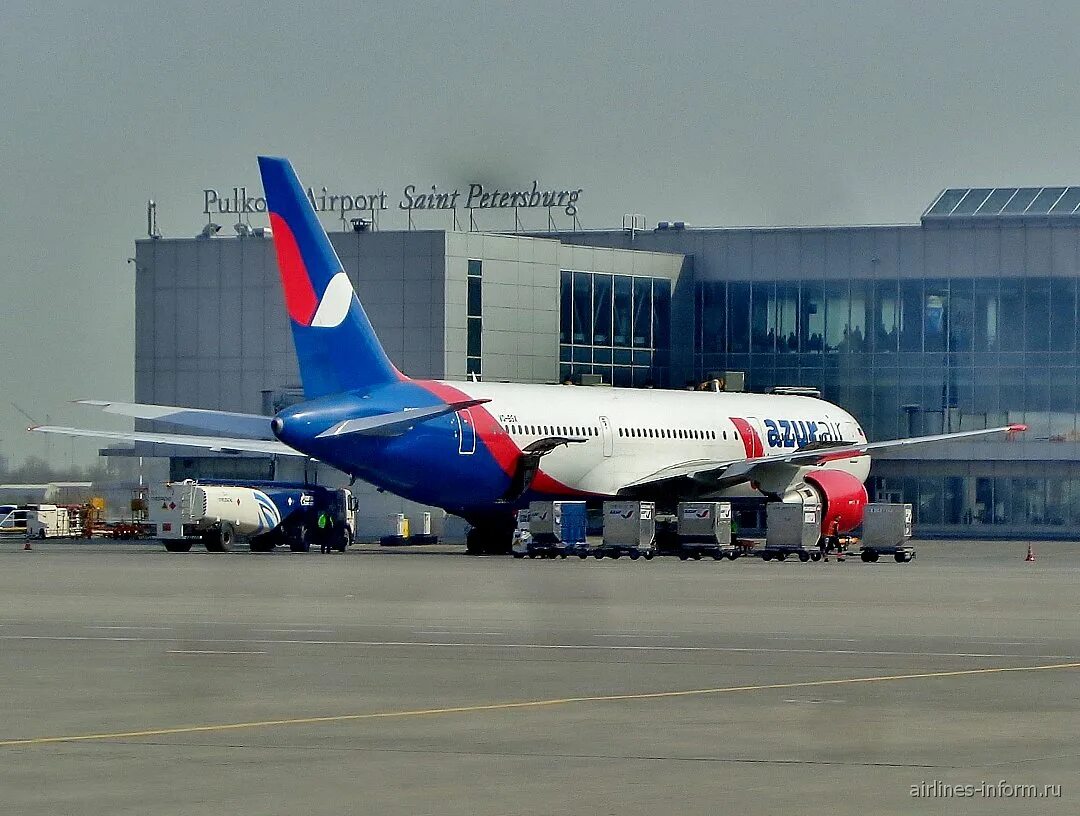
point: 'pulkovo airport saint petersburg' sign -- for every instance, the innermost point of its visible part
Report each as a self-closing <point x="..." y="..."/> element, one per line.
<point x="477" y="197"/>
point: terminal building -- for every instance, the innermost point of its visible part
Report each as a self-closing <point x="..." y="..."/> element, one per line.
<point x="964" y="320"/>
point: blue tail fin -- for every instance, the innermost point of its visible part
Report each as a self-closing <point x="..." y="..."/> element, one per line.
<point x="335" y="344"/>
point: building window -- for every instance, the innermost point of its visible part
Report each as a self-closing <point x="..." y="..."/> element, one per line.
<point x="616" y="327"/>
<point x="474" y="315"/>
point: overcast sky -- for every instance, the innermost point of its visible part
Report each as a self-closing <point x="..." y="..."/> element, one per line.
<point x="717" y="113"/>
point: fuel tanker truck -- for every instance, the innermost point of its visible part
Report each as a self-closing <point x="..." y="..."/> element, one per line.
<point x="261" y="515"/>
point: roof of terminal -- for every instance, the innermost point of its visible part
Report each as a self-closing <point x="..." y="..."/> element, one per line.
<point x="1005" y="202"/>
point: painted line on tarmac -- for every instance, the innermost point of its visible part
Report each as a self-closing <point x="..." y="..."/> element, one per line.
<point x="608" y="647"/>
<point x="527" y="704"/>
<point x="209" y="652"/>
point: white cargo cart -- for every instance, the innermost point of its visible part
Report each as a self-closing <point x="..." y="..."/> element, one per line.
<point x="705" y="529"/>
<point x="629" y="529"/>
<point x="792" y="528"/>
<point x="887" y="531"/>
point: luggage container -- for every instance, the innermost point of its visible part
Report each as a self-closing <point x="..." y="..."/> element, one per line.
<point x="791" y="528"/>
<point x="557" y="529"/>
<point x="629" y="529"/>
<point x="519" y="545"/>
<point x="705" y="529"/>
<point x="886" y="531"/>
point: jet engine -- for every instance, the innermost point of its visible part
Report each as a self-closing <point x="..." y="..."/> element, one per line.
<point x="842" y="496"/>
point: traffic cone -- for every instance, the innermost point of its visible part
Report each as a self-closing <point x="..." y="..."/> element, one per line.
<point x="26" y="546"/>
<point x="1030" y="554"/>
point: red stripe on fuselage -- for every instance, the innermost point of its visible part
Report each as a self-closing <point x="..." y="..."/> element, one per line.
<point x="752" y="444"/>
<point x="496" y="439"/>
<point x="300" y="298"/>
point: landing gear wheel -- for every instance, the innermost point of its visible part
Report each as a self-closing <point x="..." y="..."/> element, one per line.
<point x="489" y="540"/>
<point x="177" y="546"/>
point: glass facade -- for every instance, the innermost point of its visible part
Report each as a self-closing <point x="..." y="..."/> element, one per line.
<point x="989" y="502"/>
<point x="615" y="326"/>
<point x="906" y="357"/>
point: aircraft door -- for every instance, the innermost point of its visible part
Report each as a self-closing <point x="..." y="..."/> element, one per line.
<point x="606" y="435"/>
<point x="466" y="432"/>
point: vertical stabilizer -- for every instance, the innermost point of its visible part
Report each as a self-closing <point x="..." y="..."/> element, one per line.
<point x="335" y="344"/>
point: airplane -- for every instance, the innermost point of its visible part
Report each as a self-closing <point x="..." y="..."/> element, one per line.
<point x="481" y="450"/>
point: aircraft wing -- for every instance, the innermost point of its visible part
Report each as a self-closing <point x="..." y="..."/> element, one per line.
<point x="221" y="444"/>
<point x="255" y="426"/>
<point x="705" y="470"/>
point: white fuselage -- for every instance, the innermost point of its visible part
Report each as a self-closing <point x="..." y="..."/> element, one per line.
<point x="631" y="433"/>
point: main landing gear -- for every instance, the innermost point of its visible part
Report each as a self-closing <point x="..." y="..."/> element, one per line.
<point x="489" y="539"/>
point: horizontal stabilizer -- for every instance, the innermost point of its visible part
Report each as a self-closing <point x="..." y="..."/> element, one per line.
<point x="222" y="444"/>
<point x="255" y="426"/>
<point x="396" y="422"/>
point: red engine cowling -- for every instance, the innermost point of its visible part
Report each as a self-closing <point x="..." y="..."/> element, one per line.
<point x="843" y="498"/>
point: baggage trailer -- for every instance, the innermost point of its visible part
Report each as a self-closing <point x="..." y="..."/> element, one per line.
<point x="629" y="529"/>
<point x="886" y="531"/>
<point x="792" y="528"/>
<point x="262" y="514"/>
<point x="705" y="529"/>
<point x="556" y="529"/>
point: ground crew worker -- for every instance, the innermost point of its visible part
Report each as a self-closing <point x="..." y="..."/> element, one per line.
<point x="834" y="540"/>
<point x="326" y="525"/>
<point x="823" y="547"/>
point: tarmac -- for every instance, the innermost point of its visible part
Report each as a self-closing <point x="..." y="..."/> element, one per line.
<point x="413" y="681"/>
